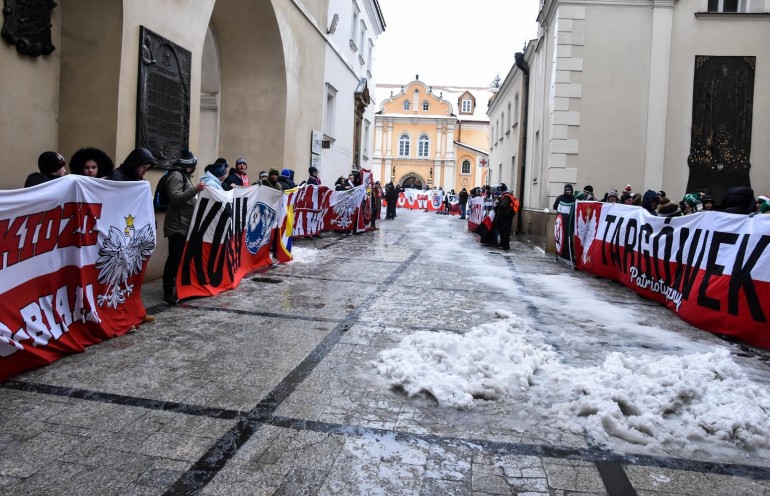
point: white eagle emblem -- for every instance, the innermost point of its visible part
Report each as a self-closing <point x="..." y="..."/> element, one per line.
<point x="345" y="205"/>
<point x="586" y="232"/>
<point x="121" y="256"/>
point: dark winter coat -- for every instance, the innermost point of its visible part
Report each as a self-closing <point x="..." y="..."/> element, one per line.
<point x="232" y="179"/>
<point x="38" y="178"/>
<point x="181" y="204"/>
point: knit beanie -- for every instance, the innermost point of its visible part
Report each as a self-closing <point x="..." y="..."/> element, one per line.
<point x="50" y="162"/>
<point x="285" y="173"/>
<point x="568" y="187"/>
<point x="187" y="159"/>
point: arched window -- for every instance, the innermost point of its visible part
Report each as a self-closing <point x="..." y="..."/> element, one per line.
<point x="423" y="145"/>
<point x="425" y="105"/>
<point x="403" y="145"/>
<point x="466" y="169"/>
<point x="406" y="104"/>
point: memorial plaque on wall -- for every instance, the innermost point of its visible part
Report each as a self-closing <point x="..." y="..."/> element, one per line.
<point x="723" y="99"/>
<point x="163" y="99"/>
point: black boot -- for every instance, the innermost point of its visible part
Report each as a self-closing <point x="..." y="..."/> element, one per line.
<point x="170" y="297"/>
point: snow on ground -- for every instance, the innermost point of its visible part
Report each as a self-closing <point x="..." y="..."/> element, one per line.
<point x="303" y="255"/>
<point x="690" y="396"/>
<point x="653" y="401"/>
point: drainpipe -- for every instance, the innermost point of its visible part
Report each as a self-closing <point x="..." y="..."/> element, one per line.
<point x="524" y="68"/>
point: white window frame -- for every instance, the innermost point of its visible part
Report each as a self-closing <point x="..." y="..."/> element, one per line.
<point x="425" y="105"/>
<point x="331" y="104"/>
<point x="365" y="147"/>
<point x="363" y="40"/>
<point x="509" y="117"/>
<point x="467" y="106"/>
<point x="423" y="146"/>
<point x="465" y="170"/>
<point x="404" y="145"/>
<point x="354" y="27"/>
<point x="407" y="105"/>
<point x="516" y="109"/>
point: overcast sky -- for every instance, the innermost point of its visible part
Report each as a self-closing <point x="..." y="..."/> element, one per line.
<point x="452" y="42"/>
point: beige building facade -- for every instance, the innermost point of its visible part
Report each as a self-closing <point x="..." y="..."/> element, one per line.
<point x="610" y="90"/>
<point x="428" y="136"/>
<point x="257" y="83"/>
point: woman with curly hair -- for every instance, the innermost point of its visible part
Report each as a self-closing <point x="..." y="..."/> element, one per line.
<point x="91" y="162"/>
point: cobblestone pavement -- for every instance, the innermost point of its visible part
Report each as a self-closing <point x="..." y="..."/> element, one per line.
<point x="270" y="389"/>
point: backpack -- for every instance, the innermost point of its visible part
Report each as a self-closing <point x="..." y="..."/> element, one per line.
<point x="160" y="199"/>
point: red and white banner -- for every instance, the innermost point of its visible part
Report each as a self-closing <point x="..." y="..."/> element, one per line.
<point x="231" y="234"/>
<point x="476" y="212"/>
<point x="415" y="199"/>
<point x="712" y="269"/>
<point x="71" y="270"/>
<point x="310" y="203"/>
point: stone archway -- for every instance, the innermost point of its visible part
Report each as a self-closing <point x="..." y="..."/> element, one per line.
<point x="253" y="92"/>
<point x="412" y="180"/>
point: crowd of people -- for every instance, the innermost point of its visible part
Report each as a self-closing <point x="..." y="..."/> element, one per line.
<point x="736" y="200"/>
<point x="219" y="175"/>
<point x="179" y="190"/>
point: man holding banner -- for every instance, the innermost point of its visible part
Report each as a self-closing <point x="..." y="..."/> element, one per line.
<point x="181" y="204"/>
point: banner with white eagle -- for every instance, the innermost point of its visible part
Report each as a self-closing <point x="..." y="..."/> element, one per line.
<point x="711" y="268"/>
<point x="73" y="252"/>
<point x="231" y="234"/>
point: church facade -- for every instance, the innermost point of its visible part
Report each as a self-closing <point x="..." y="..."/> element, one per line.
<point x="429" y="136"/>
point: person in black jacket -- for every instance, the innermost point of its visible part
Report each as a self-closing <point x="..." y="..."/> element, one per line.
<point x="504" y="220"/>
<point x="51" y="166"/>
<point x="237" y="175"/>
<point x="463" y="199"/>
<point x="391" y="195"/>
<point x="567" y="197"/>
<point x="133" y="168"/>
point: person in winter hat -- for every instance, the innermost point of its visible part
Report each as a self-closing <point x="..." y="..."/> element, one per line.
<point x="91" y="162"/>
<point x="611" y="196"/>
<point x="51" y="166"/>
<point x="273" y="180"/>
<point x="133" y="168"/>
<point x="588" y="193"/>
<point x="763" y="204"/>
<point x="626" y="199"/>
<point x="313" y="179"/>
<point x="215" y="174"/>
<point x="650" y="201"/>
<point x="182" y="195"/>
<point x="739" y="200"/>
<point x="691" y="203"/>
<point x="669" y="209"/>
<point x="567" y="197"/>
<point x="237" y="175"/>
<point x="708" y="202"/>
<point x="263" y="178"/>
<point x="286" y="180"/>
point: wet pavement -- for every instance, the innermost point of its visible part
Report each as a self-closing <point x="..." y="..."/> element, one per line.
<point x="271" y="388"/>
